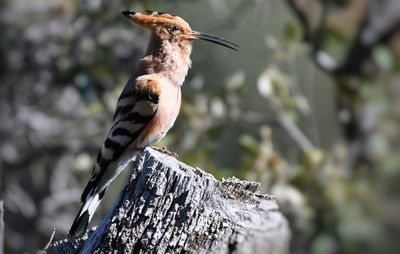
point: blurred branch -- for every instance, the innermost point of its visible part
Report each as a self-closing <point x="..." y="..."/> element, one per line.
<point x="49" y="149"/>
<point x="295" y="133"/>
<point x="320" y="58"/>
<point x="1" y="227"/>
<point x="381" y="21"/>
<point x="291" y="129"/>
<point x="357" y="118"/>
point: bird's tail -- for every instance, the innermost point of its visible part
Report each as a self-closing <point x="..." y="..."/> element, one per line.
<point x="85" y="214"/>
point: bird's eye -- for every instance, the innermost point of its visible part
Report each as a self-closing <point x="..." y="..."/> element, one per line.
<point x="175" y="29"/>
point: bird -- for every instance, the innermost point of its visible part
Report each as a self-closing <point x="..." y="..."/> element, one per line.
<point x="148" y="105"/>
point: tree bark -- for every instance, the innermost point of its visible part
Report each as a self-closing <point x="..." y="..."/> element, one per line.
<point x="169" y="207"/>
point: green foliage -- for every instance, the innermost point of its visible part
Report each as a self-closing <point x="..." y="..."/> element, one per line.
<point x="384" y="58"/>
<point x="293" y="32"/>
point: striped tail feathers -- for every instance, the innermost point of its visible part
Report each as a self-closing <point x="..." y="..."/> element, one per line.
<point x="89" y="189"/>
<point x="85" y="214"/>
<point x="79" y="225"/>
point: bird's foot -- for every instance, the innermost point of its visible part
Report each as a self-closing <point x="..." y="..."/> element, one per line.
<point x="165" y="151"/>
<point x="139" y="149"/>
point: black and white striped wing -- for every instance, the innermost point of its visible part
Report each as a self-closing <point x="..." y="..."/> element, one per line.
<point x="135" y="109"/>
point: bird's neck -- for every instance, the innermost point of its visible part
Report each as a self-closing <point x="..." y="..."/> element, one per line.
<point x="168" y="59"/>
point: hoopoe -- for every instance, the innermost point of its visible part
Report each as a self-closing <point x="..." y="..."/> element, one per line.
<point x="148" y="105"/>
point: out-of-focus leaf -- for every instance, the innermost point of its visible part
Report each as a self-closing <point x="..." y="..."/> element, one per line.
<point x="235" y="81"/>
<point x="83" y="162"/>
<point x="249" y="143"/>
<point x="313" y="158"/>
<point x="291" y="115"/>
<point x="357" y="233"/>
<point x="324" y="243"/>
<point x="383" y="57"/>
<point x="293" y="32"/>
<point x="264" y="85"/>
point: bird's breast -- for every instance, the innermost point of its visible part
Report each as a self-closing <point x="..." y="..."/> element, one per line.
<point x="169" y="107"/>
<point x="167" y="112"/>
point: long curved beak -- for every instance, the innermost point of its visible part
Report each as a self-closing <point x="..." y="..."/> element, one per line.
<point x="212" y="38"/>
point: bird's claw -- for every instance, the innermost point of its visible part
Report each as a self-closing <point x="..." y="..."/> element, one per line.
<point x="165" y="151"/>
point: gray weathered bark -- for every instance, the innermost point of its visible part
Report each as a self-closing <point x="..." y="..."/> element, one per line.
<point x="169" y="207"/>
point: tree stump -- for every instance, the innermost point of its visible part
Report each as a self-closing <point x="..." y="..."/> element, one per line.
<point x="170" y="207"/>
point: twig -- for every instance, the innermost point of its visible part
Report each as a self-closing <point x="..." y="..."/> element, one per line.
<point x="290" y="128"/>
<point x="1" y="227"/>
<point x="294" y="132"/>
<point x="311" y="91"/>
<point x="44" y="250"/>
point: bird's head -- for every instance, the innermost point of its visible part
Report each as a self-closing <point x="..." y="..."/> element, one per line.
<point x="173" y="28"/>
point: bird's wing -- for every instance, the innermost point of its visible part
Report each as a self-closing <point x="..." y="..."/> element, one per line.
<point x="136" y="108"/>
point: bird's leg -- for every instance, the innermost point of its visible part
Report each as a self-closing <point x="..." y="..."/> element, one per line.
<point x="165" y="151"/>
<point x="160" y="149"/>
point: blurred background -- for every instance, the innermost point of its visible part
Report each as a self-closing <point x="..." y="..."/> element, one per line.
<point x="309" y="107"/>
